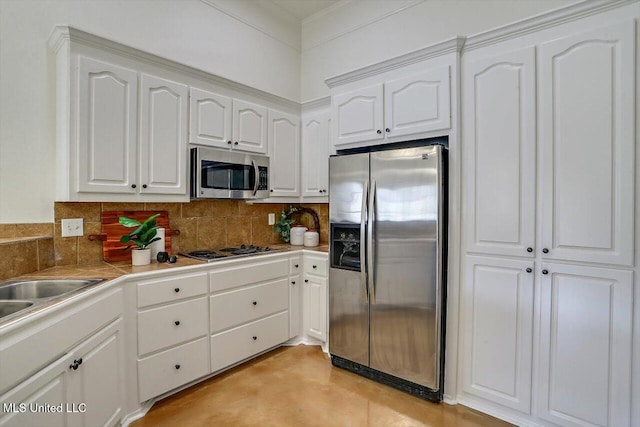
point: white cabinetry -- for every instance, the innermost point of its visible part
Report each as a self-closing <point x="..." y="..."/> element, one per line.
<point x="107" y="128"/>
<point x="409" y="105"/>
<point x="284" y="151"/>
<point x="249" y="310"/>
<point x="89" y="373"/>
<point x="295" y="297"/>
<point x="581" y="92"/>
<point x="172" y="332"/>
<point x="219" y="121"/>
<point x="315" y="296"/>
<point x="316" y="134"/>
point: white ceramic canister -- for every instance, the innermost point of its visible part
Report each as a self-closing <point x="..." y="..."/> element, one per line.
<point x="158" y="245"/>
<point x="311" y="238"/>
<point x="297" y="235"/>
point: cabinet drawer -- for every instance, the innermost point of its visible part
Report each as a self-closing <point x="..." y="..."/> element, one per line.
<point x="315" y="265"/>
<point x="240" y="343"/>
<point x="295" y="265"/>
<point x="247" y="304"/>
<point x="246" y="275"/>
<point x="172" y="368"/>
<point x="159" y="291"/>
<point x="169" y="325"/>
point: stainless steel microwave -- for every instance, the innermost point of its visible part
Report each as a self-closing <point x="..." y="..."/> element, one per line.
<point x="220" y="174"/>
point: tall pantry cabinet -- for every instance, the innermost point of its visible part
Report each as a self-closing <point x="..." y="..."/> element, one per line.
<point x="548" y="122"/>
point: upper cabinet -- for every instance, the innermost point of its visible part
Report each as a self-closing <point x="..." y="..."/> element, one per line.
<point x="219" y="121"/>
<point x="315" y="154"/>
<point x="587" y="145"/>
<point x="410" y="105"/>
<point x="284" y="151"/>
<point x="499" y="119"/>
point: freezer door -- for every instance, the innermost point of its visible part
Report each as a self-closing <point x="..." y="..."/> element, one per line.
<point x="348" y="297"/>
<point x="405" y="208"/>
<point x="348" y="178"/>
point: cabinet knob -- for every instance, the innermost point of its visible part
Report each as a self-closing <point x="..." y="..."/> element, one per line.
<point x="545" y="271"/>
<point x="296" y="266"/>
<point x="177" y="366"/>
<point x="319" y="191"/>
<point x="76" y="363"/>
<point x="255" y="303"/>
<point x="293" y="282"/>
<point x="545" y="251"/>
<point x="177" y="322"/>
<point x="378" y="131"/>
<point x="229" y="142"/>
<point x="315" y="266"/>
<point x="255" y="338"/>
<point x="235" y="143"/>
<point x="306" y="280"/>
<point x="387" y="130"/>
<point x="529" y="270"/>
<point x="529" y="249"/>
<point x="144" y="185"/>
<point x="176" y="290"/>
<point x="133" y="186"/>
<point x="271" y="190"/>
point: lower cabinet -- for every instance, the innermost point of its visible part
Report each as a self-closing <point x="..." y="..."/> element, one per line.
<point x="295" y="306"/>
<point x="82" y="388"/>
<point x="240" y="343"/>
<point x="315" y="295"/>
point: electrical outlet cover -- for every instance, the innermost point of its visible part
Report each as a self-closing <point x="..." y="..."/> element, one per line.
<point x="272" y="218"/>
<point x="72" y="227"/>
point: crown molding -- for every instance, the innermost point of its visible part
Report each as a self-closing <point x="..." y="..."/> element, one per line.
<point x="544" y="20"/>
<point x="312" y="104"/>
<point x="326" y="11"/>
<point x="63" y="34"/>
<point x="445" y="47"/>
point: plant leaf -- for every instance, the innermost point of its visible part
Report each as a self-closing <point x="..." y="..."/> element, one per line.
<point x="125" y="239"/>
<point x="128" y="222"/>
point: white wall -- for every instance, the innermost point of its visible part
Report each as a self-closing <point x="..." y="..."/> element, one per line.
<point x="261" y="50"/>
<point x="357" y="33"/>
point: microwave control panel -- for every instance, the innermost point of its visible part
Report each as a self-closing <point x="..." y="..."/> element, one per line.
<point x="263" y="183"/>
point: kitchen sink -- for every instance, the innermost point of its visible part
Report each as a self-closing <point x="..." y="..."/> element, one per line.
<point x="10" y="307"/>
<point x="18" y="295"/>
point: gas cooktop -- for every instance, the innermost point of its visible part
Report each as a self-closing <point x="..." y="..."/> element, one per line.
<point x="211" y="255"/>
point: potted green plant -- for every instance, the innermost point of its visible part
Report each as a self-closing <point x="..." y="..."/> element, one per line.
<point x="142" y="236"/>
<point x="283" y="225"/>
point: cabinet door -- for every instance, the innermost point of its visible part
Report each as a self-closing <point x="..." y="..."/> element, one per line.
<point x="499" y="127"/>
<point x="315" y="307"/>
<point x="98" y="380"/>
<point x="357" y="115"/>
<point x="249" y="127"/>
<point x="497" y="329"/>
<point x="587" y="145"/>
<point x="315" y="155"/>
<point x="295" y="306"/>
<point x="284" y="151"/>
<point x="46" y="387"/>
<point x="209" y="119"/>
<point x="107" y="127"/>
<point x="585" y="345"/>
<point x="163" y="136"/>
<point x="419" y="103"/>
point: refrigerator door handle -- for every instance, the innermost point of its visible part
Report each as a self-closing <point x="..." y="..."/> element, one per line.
<point x="363" y="238"/>
<point x="370" y="243"/>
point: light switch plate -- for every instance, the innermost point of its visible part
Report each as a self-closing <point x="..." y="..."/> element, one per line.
<point x="272" y="218"/>
<point x="72" y="227"/>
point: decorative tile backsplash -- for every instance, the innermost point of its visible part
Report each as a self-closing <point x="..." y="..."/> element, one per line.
<point x="202" y="224"/>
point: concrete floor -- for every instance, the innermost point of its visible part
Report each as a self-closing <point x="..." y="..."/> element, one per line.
<point x="298" y="386"/>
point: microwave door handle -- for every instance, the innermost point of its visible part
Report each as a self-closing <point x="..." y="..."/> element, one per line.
<point x="256" y="177"/>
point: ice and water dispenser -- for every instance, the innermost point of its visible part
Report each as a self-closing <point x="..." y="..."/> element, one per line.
<point x="345" y="246"/>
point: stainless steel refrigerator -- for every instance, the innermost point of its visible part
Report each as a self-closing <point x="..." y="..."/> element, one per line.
<point x="387" y="257"/>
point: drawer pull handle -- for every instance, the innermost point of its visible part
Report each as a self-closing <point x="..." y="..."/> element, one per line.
<point x="176" y="290"/>
<point x="315" y="266"/>
<point x="306" y="280"/>
<point x="255" y="338"/>
<point x="255" y="303"/>
<point x="177" y="322"/>
<point x="177" y="366"/>
<point x="76" y="363"/>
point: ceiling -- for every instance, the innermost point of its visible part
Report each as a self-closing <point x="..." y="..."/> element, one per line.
<point x="302" y="9"/>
